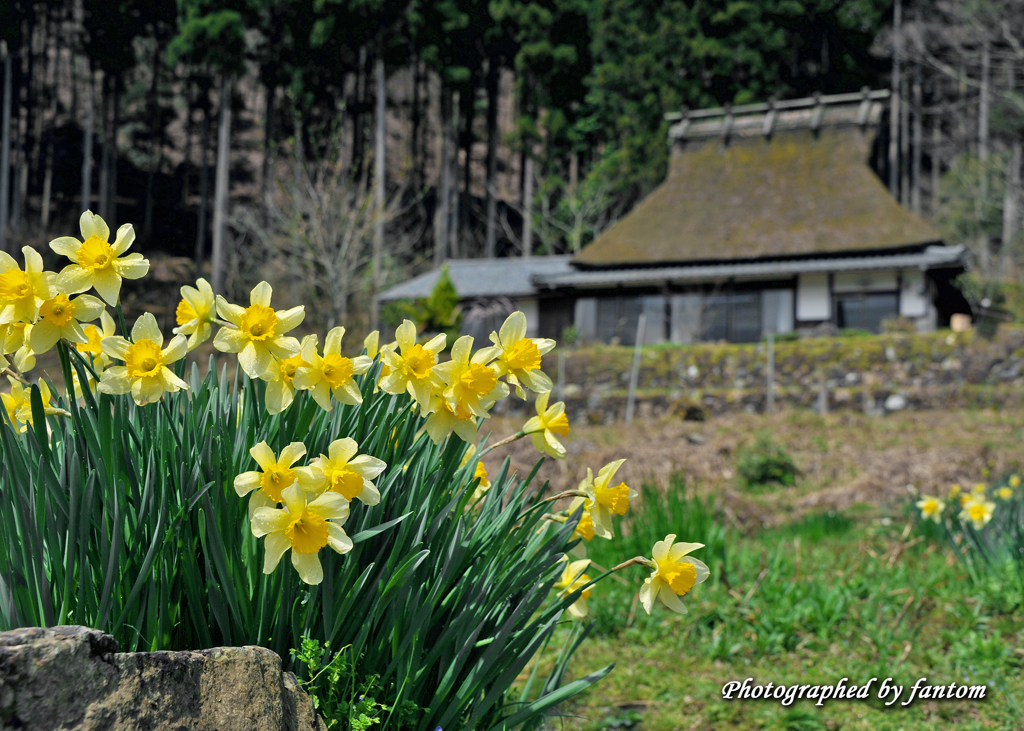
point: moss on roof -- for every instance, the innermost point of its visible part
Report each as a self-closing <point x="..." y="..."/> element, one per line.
<point x="793" y="194"/>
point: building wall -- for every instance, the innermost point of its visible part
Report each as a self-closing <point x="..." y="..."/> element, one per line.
<point x="813" y="298"/>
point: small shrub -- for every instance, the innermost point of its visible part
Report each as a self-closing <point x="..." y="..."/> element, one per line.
<point x="765" y="463"/>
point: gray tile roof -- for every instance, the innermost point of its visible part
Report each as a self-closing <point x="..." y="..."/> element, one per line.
<point x="504" y="277"/>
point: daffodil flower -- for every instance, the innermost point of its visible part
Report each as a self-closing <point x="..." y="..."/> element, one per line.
<point x="954" y="490"/>
<point x="61" y="317"/>
<point x="145" y="373"/>
<point x="93" y="343"/>
<point x="14" y="339"/>
<point x="603" y="499"/>
<point x="276" y="474"/>
<point x="196" y="313"/>
<point x="95" y="262"/>
<point x="543" y="427"/>
<point x="1004" y="493"/>
<point x="471" y="385"/>
<point x="410" y="368"/>
<point x="931" y="508"/>
<point x="443" y="418"/>
<point x="1014" y="481"/>
<point x="22" y="292"/>
<point x="370" y="344"/>
<point x="280" y="379"/>
<point x="573" y="578"/>
<point x="258" y="335"/>
<point x="305" y="528"/>
<point x="520" y="356"/>
<point x="978" y="489"/>
<point x="978" y="512"/>
<point x="347" y="474"/>
<point x="331" y="374"/>
<point x="484" y="484"/>
<point x="18" y="404"/>
<point x="585" y="526"/>
<point x="675" y="574"/>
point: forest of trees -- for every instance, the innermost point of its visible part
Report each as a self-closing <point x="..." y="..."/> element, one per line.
<point x="362" y="140"/>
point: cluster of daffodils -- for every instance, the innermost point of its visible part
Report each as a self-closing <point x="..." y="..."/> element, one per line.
<point x="315" y="500"/>
<point x="975" y="505"/>
<point x="303" y="508"/>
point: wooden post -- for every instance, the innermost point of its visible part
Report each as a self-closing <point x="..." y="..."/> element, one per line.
<point x="634" y="374"/>
<point x="561" y="374"/>
<point x="220" y="192"/>
<point x="822" y="394"/>
<point x="528" y="202"/>
<point x="770" y="408"/>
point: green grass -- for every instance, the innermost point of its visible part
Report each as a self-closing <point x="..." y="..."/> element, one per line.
<point x="828" y="597"/>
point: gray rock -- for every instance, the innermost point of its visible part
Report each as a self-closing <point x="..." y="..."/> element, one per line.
<point x="895" y="402"/>
<point x="71" y="678"/>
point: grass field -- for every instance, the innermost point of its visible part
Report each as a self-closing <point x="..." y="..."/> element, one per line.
<point x="809" y="596"/>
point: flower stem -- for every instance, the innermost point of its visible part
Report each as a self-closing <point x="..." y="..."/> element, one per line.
<point x="503" y="442"/>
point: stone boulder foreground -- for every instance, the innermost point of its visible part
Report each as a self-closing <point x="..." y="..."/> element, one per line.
<point x="70" y="677"/>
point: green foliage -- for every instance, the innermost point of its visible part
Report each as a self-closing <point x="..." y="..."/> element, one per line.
<point x="765" y="463"/>
<point x="440" y="311"/>
<point x="125" y="518"/>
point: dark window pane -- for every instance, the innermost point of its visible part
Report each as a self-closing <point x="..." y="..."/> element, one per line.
<point x="746" y="317"/>
<point x="865" y="311"/>
<point x="715" y="317"/>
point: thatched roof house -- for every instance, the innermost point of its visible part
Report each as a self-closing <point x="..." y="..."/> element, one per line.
<point x="771" y="219"/>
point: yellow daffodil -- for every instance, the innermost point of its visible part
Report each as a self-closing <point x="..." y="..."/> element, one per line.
<point x="978" y="512"/>
<point x="978" y="489"/>
<point x="954" y="490"/>
<point x="675" y="574"/>
<point x="480" y="473"/>
<point x="585" y="527"/>
<point x="280" y="379"/>
<point x="443" y="418"/>
<point x="410" y="368"/>
<point x="331" y="374"/>
<point x="145" y="373"/>
<point x="95" y="262"/>
<point x="931" y="508"/>
<point x="573" y="578"/>
<point x="22" y="292"/>
<point x="370" y="344"/>
<point x="1004" y="493"/>
<point x="548" y="422"/>
<point x="93" y="344"/>
<point x="305" y="528"/>
<point x="14" y="338"/>
<point x="605" y="499"/>
<point x="258" y="335"/>
<point x="1014" y="481"/>
<point x="275" y="475"/>
<point x="18" y="404"/>
<point x="61" y="317"/>
<point x="964" y="499"/>
<point x="196" y="313"/>
<point x="347" y="474"/>
<point x="520" y="356"/>
<point x="471" y="385"/>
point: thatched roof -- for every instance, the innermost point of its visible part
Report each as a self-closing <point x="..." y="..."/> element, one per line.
<point x="797" y="192"/>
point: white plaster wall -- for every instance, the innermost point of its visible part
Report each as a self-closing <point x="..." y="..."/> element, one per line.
<point x="914" y="299"/>
<point x="812" y="298"/>
<point x="867" y="281"/>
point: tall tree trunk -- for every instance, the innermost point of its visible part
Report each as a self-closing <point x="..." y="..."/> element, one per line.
<point x="453" y="188"/>
<point x="190" y="130"/>
<point x="220" y="196"/>
<point x="378" y="189"/>
<point x="490" y="241"/>
<point x="528" y="201"/>
<point x="157" y="156"/>
<point x="1011" y="191"/>
<point x="5" y="150"/>
<point x="105" y="151"/>
<point x="894" y="106"/>
<point x="469" y="109"/>
<point x="443" y="211"/>
<point x="267" y="167"/>
<point x="983" y="149"/>
<point x="204" y="190"/>
<point x="115" y="99"/>
<point x="415" y="149"/>
<point x="915" y="192"/>
<point x="87" y="93"/>
<point x="44" y="212"/>
<point x="936" y="161"/>
<point x="358" y="142"/>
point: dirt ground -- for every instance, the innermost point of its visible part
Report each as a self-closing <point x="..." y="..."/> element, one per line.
<point x="845" y="458"/>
